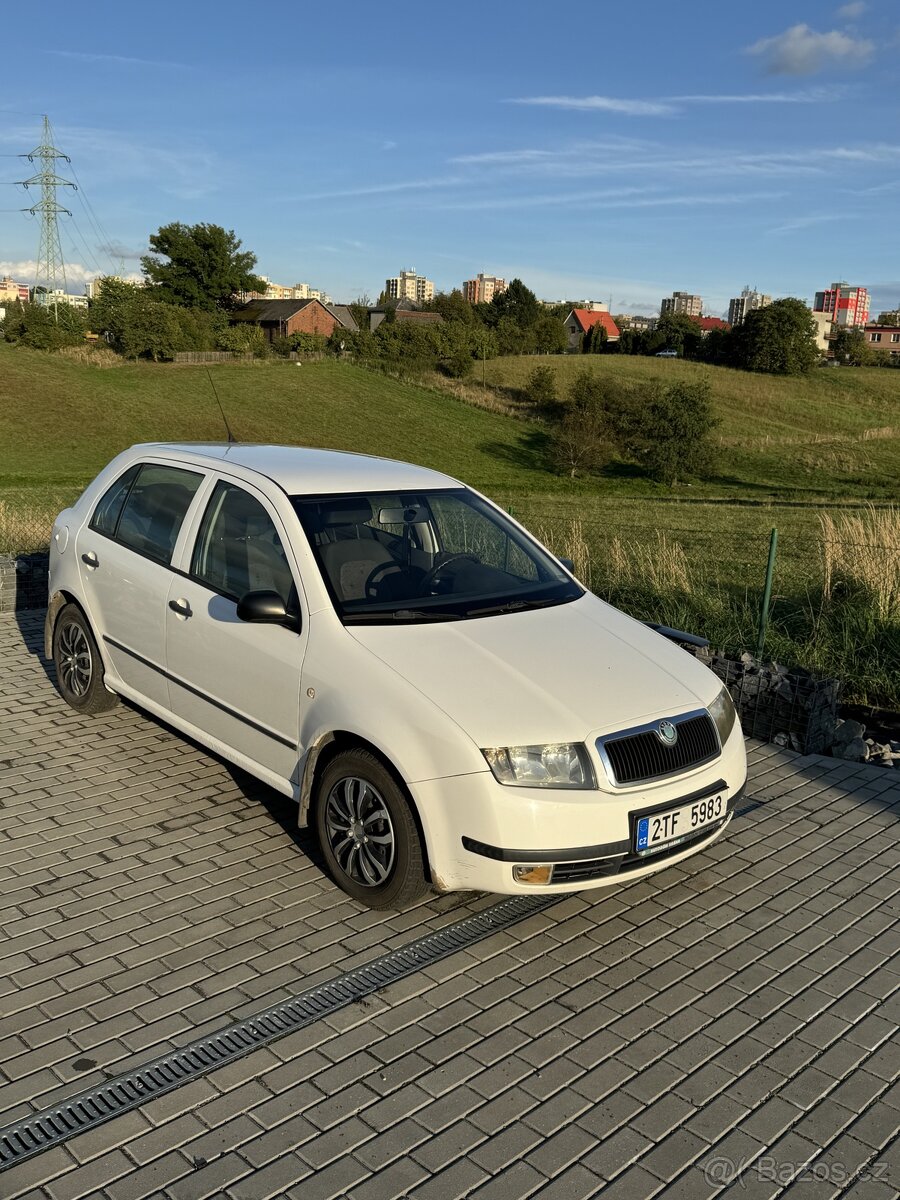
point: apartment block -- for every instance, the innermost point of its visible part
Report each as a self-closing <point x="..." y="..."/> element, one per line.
<point x="748" y="301"/>
<point x="483" y="288"/>
<point x="409" y="286"/>
<point x="10" y="291"/>
<point x="847" y="305"/>
<point x="280" y="291"/>
<point x="682" y="302"/>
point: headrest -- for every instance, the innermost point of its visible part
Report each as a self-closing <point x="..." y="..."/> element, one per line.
<point x="350" y="510"/>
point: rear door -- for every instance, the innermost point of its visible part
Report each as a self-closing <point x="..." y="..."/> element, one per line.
<point x="124" y="558"/>
<point x="237" y="682"/>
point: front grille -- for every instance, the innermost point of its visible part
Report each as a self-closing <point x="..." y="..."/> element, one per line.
<point x="641" y="755"/>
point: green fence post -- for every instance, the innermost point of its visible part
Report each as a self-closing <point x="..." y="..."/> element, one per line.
<point x="767" y="595"/>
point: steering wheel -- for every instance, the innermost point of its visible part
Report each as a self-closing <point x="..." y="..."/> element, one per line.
<point x="375" y="574"/>
<point x="430" y="576"/>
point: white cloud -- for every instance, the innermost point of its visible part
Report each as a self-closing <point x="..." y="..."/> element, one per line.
<point x="850" y="11"/>
<point x="630" y="108"/>
<point x="24" y="271"/>
<point x="811" y="96"/>
<point x="118" y="60"/>
<point x="381" y="189"/>
<point x="802" y="51"/>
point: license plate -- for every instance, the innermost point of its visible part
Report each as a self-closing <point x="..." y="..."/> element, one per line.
<point x="677" y="824"/>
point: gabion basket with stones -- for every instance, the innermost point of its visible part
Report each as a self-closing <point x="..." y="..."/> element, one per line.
<point x="777" y="704"/>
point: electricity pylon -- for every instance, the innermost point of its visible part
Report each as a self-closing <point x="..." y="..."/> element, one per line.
<point x="51" y="267"/>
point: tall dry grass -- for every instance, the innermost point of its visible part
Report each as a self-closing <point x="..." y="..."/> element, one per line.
<point x="91" y="356"/>
<point x="861" y="554"/>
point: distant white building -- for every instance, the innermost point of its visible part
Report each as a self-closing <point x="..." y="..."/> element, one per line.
<point x="58" y="296"/>
<point x="281" y="291"/>
<point x="409" y="286"/>
<point x="682" y="302"/>
<point x="748" y="301"/>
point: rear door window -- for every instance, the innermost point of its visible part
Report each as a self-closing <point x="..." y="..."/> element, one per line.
<point x="152" y="515"/>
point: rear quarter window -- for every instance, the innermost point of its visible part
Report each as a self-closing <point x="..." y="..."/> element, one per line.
<point x="107" y="513"/>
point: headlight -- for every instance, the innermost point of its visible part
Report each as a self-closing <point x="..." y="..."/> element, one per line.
<point x="723" y="714"/>
<point x="559" y="765"/>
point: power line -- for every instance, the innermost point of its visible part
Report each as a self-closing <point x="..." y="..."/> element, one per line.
<point x="50" y="263"/>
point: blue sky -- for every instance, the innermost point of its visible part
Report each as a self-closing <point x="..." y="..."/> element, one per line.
<point x="613" y="151"/>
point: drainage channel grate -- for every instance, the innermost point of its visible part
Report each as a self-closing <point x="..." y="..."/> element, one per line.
<point x="91" y="1108"/>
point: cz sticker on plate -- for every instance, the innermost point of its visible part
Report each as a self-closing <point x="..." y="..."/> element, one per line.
<point x="676" y="824"/>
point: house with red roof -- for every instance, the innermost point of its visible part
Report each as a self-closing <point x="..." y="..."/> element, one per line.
<point x="709" y="324"/>
<point x="580" y="320"/>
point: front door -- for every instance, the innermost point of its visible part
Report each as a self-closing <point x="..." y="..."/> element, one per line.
<point x="237" y="682"/>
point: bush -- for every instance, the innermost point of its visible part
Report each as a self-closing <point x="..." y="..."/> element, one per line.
<point x="669" y="433"/>
<point x="540" y="387"/>
<point x="44" y="328"/>
<point x="244" y="338"/>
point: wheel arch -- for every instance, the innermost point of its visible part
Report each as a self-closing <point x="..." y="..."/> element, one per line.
<point x="55" y="605"/>
<point x="324" y="750"/>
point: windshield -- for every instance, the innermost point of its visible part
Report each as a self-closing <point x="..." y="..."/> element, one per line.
<point x="427" y="556"/>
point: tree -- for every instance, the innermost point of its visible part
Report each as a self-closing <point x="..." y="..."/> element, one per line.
<point x="44" y="328"/>
<point x="138" y="323"/>
<point x="206" y="266"/>
<point x="850" y="346"/>
<point x="594" y="341"/>
<point x="779" y="339"/>
<point x="580" y="441"/>
<point x="668" y="431"/>
<point x="518" y="303"/>
<point x="549" y="335"/>
<point x="679" y="332"/>
<point x="540" y="387"/>
<point x="453" y="306"/>
<point x="245" y="338"/>
<point x="359" y="310"/>
<point x="892" y="317"/>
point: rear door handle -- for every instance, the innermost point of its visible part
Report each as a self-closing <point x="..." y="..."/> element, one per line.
<point x="181" y="607"/>
<point x="91" y="560"/>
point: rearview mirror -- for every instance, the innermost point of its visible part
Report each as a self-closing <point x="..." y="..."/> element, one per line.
<point x="265" y="608"/>
<point x="568" y="564"/>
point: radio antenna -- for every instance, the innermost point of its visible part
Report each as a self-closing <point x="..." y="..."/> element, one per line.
<point x="231" y="438"/>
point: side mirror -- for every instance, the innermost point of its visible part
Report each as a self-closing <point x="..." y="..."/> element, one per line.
<point x="568" y="564"/>
<point x="265" y="608"/>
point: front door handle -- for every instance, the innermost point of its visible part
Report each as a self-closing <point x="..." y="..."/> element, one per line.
<point x="91" y="560"/>
<point x="181" y="607"/>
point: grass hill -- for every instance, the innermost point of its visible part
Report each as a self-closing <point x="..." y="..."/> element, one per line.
<point x="829" y="436"/>
<point x="693" y="557"/>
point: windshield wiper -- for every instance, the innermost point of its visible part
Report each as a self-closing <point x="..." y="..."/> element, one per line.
<point x="404" y="614"/>
<point x="517" y="606"/>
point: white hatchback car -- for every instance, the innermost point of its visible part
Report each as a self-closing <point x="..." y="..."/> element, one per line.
<point x="445" y="702"/>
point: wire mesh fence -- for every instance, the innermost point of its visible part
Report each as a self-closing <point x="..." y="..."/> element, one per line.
<point x="701" y="567"/>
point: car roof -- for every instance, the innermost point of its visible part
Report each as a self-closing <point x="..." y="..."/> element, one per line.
<point x="300" y="470"/>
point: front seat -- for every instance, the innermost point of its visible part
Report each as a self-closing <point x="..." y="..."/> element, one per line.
<point x="354" y="553"/>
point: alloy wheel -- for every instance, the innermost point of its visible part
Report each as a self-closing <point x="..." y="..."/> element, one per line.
<point x="360" y="831"/>
<point x="75" y="662"/>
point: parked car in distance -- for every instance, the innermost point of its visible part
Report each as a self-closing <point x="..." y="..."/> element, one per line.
<point x="666" y="354"/>
<point x="444" y="701"/>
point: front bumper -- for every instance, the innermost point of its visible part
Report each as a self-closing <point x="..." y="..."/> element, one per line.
<point x="477" y="830"/>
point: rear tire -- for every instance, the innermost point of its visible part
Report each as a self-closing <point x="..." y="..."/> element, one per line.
<point x="79" y="667"/>
<point x="367" y="832"/>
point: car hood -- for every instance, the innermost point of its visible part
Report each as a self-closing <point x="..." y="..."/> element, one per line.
<point x="544" y="675"/>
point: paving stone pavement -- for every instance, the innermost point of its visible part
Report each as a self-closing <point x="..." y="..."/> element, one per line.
<point x="716" y="1028"/>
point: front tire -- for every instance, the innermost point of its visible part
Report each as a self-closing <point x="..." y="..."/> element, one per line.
<point x="367" y="832"/>
<point x="79" y="668"/>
